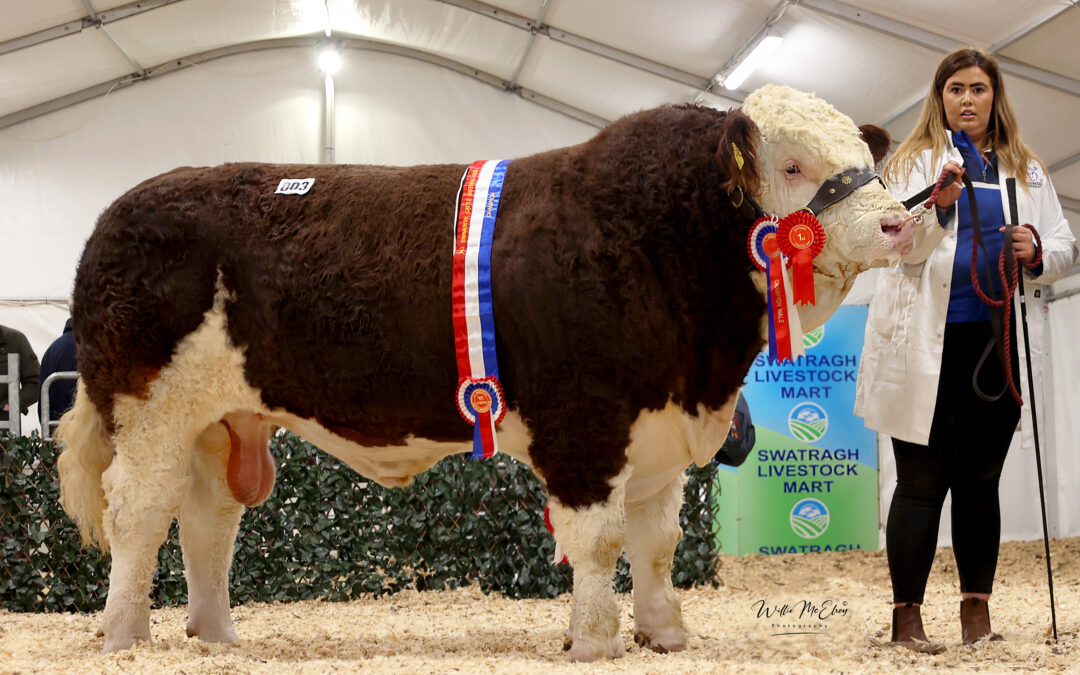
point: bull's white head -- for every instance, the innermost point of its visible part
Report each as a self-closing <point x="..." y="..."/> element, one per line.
<point x="804" y="141"/>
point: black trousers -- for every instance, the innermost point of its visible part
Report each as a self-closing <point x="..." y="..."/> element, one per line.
<point x="968" y="443"/>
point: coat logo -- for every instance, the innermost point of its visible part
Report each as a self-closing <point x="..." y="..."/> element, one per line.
<point x="1034" y="177"/>
<point x="809" y="518"/>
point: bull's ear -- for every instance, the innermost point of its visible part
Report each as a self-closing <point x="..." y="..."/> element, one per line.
<point x="878" y="139"/>
<point x="736" y="153"/>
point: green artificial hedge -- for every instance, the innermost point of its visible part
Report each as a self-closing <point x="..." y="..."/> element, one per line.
<point x="328" y="533"/>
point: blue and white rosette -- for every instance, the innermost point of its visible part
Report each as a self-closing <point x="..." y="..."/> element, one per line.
<point x="481" y="402"/>
<point x="762" y="247"/>
<point x="759" y="253"/>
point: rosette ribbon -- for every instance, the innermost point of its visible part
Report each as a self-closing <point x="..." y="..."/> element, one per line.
<point x="801" y="238"/>
<point x="785" y="330"/>
<point x="480" y="397"/>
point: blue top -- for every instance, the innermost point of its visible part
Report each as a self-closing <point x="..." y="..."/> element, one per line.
<point x="964" y="304"/>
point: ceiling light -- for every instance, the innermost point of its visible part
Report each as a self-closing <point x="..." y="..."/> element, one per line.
<point x="329" y="60"/>
<point x="761" y="51"/>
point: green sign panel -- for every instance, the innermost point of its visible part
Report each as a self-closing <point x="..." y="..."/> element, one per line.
<point x="810" y="484"/>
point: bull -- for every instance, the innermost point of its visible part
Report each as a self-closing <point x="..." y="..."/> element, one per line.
<point x="209" y="309"/>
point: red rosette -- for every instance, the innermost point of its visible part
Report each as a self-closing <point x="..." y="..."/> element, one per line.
<point x="801" y="239"/>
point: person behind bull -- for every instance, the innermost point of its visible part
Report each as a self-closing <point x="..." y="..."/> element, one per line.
<point x="14" y="342"/>
<point x="927" y="330"/>
<point x="59" y="357"/>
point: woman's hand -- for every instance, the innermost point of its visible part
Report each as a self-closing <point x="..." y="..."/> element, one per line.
<point x="948" y="195"/>
<point x="1023" y="244"/>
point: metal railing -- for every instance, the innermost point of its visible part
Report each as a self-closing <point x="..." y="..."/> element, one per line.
<point x="44" y="405"/>
<point x="14" y="412"/>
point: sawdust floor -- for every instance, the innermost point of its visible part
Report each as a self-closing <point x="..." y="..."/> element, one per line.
<point x="465" y="631"/>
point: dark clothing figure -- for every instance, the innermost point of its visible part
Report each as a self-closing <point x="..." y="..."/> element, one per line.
<point x="968" y="443"/>
<point x="14" y="342"/>
<point x="58" y="358"/>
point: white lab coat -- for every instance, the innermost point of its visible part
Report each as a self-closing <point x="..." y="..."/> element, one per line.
<point x="905" y="328"/>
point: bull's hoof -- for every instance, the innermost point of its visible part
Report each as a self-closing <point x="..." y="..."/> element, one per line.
<point x="122" y="629"/>
<point x="210" y="628"/>
<point x="119" y="642"/>
<point x="590" y="649"/>
<point x="226" y="634"/>
<point x="662" y="644"/>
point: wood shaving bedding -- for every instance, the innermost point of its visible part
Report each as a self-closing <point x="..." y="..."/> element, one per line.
<point x="466" y="631"/>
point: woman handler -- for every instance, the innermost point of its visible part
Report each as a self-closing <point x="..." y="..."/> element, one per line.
<point x="927" y="329"/>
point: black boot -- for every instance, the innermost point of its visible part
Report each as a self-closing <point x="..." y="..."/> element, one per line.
<point x="975" y="621"/>
<point x="908" y="631"/>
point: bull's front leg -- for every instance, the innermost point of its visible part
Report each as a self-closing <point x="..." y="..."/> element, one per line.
<point x="652" y="534"/>
<point x="592" y="538"/>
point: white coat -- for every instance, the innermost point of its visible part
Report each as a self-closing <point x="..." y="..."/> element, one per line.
<point x="905" y="328"/>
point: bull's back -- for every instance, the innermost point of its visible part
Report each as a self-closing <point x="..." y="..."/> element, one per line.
<point x="322" y="287"/>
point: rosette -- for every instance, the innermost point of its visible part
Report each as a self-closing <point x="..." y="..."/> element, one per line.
<point x="800" y="238"/>
<point x="477" y="397"/>
<point x="762" y="242"/>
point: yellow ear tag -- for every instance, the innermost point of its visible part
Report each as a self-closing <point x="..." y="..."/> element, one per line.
<point x="738" y="155"/>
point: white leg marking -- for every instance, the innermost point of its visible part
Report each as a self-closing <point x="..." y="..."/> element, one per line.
<point x="137" y="520"/>
<point x="209" y="519"/>
<point x="146" y="484"/>
<point x="592" y="538"/>
<point x="652" y="533"/>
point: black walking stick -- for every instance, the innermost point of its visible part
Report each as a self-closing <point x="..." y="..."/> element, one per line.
<point x="1010" y="186"/>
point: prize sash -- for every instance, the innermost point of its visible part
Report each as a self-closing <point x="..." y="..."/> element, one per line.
<point x="480" y="398"/>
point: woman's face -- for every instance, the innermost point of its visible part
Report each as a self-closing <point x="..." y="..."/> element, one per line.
<point x="969" y="101"/>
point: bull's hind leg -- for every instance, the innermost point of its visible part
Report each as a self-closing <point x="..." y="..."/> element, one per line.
<point x="209" y="519"/>
<point x="652" y="533"/>
<point x="143" y="487"/>
<point x="592" y="538"/>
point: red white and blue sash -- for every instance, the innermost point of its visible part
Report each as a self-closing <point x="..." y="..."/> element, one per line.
<point x="480" y="398"/>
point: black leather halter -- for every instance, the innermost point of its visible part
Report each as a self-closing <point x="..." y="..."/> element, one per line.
<point x="832" y="190"/>
<point x="839" y="186"/>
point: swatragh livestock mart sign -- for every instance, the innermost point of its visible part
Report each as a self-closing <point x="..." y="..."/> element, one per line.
<point x="810" y="483"/>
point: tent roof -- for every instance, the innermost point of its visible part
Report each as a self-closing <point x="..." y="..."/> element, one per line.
<point x="593" y="60"/>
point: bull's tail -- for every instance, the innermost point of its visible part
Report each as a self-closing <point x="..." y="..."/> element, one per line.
<point x="88" y="451"/>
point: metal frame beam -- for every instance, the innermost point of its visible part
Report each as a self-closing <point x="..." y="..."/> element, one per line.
<point x="925" y="38"/>
<point x="94" y="20"/>
<point x="582" y="43"/>
<point x="300" y="42"/>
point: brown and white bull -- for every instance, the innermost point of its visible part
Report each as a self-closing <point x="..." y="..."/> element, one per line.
<point x="209" y="310"/>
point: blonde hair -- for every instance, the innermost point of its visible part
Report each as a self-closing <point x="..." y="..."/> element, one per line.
<point x="932" y="129"/>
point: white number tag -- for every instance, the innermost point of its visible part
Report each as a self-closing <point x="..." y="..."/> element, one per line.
<point x="294" y="186"/>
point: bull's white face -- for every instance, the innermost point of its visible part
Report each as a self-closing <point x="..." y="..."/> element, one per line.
<point x="805" y="141"/>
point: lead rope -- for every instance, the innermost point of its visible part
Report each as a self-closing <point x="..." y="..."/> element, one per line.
<point x="1009" y="274"/>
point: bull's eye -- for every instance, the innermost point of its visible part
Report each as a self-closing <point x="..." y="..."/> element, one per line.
<point x="792" y="169"/>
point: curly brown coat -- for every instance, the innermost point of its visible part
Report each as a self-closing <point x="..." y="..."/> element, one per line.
<point x="620" y="279"/>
